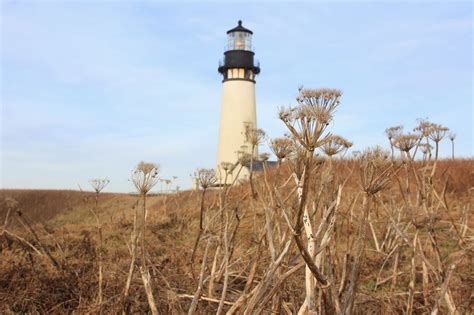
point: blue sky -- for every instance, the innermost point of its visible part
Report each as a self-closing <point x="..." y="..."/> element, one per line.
<point x="88" y="89"/>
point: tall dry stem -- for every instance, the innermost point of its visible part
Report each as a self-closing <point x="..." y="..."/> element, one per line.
<point x="98" y="185"/>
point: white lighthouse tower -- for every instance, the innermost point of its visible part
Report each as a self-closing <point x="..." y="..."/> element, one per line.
<point x="238" y="108"/>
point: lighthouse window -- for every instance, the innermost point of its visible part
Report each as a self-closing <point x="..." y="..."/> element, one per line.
<point x="239" y="41"/>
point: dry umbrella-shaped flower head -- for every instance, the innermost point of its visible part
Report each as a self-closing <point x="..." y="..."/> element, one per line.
<point x="320" y="103"/>
<point x="393" y="132"/>
<point x="335" y="145"/>
<point x="206" y="177"/>
<point x="308" y="121"/>
<point x="406" y="142"/>
<point x="227" y="167"/>
<point x="438" y="132"/>
<point x="145" y="176"/>
<point x="281" y="147"/>
<point x="244" y="158"/>
<point x="425" y="148"/>
<point x="376" y="170"/>
<point x="254" y="136"/>
<point x="99" y="184"/>
<point x="424" y="127"/>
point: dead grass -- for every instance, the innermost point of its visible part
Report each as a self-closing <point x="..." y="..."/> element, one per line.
<point x="30" y="284"/>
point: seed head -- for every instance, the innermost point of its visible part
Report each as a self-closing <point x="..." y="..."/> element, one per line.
<point x="423" y="127"/>
<point x="227" y="166"/>
<point x="145" y="176"/>
<point x="281" y="147"/>
<point x="206" y="177"/>
<point x="406" y="142"/>
<point x="437" y="132"/>
<point x="335" y="145"/>
<point x="425" y="148"/>
<point x="254" y="136"/>
<point x="244" y="158"/>
<point x="308" y="121"/>
<point x="376" y="170"/>
<point x="393" y="132"/>
<point x="99" y="183"/>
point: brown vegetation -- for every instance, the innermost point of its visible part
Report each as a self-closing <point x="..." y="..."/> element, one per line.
<point x="311" y="235"/>
<point x="30" y="283"/>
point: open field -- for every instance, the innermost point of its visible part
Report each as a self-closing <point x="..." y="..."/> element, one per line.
<point x="412" y="252"/>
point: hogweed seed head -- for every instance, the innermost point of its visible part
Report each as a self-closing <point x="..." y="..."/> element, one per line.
<point x="206" y="177"/>
<point x="425" y="148"/>
<point x="244" y="158"/>
<point x="227" y="166"/>
<point x="145" y="176"/>
<point x="335" y="145"/>
<point x="393" y="132"/>
<point x="406" y="142"/>
<point x="281" y="147"/>
<point x="308" y="121"/>
<point x="437" y="132"/>
<point x="285" y="114"/>
<point x="254" y="136"/>
<point x="99" y="184"/>
<point x="423" y="127"/>
<point x="376" y="170"/>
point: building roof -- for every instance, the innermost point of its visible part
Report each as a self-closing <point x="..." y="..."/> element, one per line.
<point x="257" y="166"/>
<point x="239" y="28"/>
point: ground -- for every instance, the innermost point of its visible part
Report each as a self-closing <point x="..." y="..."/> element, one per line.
<point x="49" y="247"/>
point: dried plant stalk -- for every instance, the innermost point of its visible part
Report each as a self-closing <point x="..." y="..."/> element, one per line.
<point x="198" y="293"/>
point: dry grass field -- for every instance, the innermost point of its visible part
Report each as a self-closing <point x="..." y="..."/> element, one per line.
<point x="412" y="253"/>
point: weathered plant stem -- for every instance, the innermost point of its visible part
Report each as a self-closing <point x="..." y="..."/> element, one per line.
<point x="358" y="260"/>
<point x="133" y="251"/>
<point x="198" y="293"/>
<point x="144" y="268"/>
<point x="220" y="310"/>
<point x="201" y="225"/>
<point x="411" y="285"/>
<point x="26" y="224"/>
<point x="210" y="291"/>
<point x="99" y="250"/>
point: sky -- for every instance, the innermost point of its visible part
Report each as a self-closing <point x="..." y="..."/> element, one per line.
<point x="88" y="89"/>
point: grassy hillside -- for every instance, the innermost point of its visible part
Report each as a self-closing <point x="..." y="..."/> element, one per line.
<point x="50" y="245"/>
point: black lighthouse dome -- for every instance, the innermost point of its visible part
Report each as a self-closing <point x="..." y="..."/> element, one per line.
<point x="239" y="28"/>
<point x="239" y="55"/>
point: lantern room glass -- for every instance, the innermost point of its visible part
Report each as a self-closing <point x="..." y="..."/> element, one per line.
<point x="239" y="41"/>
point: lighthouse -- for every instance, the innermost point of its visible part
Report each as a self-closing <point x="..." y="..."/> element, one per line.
<point x="238" y="108"/>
